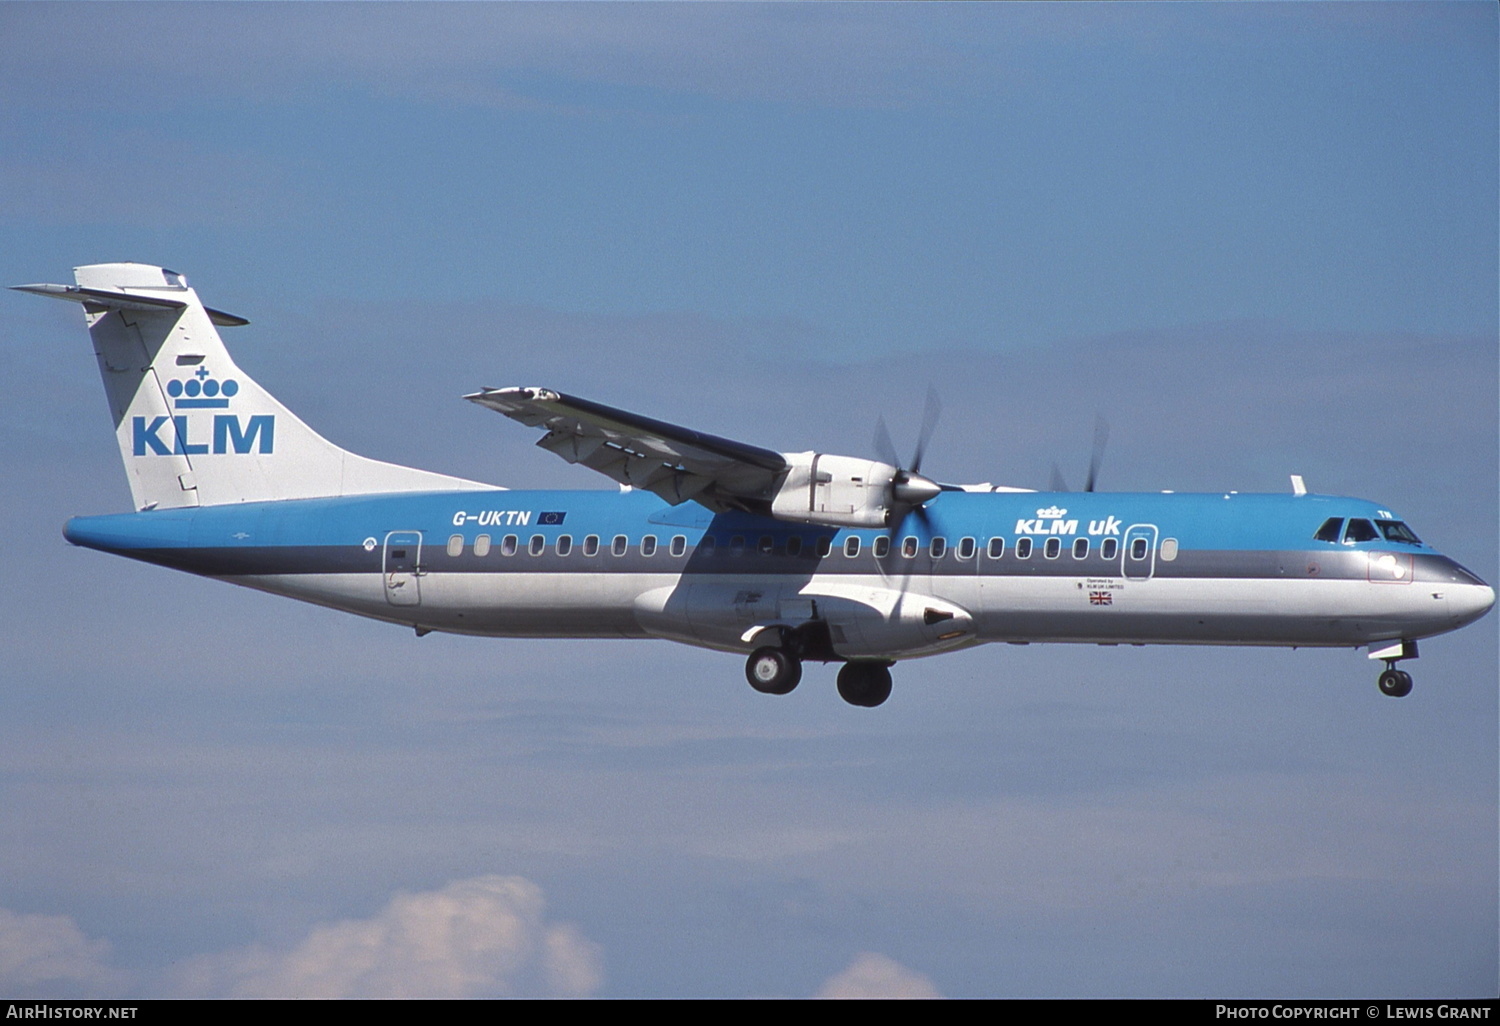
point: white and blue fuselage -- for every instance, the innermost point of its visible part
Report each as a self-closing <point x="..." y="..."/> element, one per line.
<point x="1109" y="567"/>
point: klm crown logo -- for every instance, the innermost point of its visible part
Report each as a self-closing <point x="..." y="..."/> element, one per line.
<point x="231" y="434"/>
<point x="202" y="392"/>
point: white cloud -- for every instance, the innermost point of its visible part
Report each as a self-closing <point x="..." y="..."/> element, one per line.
<point x="45" y="955"/>
<point x="483" y="937"/>
<point x="875" y="976"/>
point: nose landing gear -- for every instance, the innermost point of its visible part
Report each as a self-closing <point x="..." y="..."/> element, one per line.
<point x="1393" y="682"/>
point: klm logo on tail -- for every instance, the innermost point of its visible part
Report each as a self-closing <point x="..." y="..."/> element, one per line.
<point x="229" y="433"/>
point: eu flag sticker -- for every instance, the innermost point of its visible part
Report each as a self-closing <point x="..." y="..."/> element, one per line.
<point x="552" y="519"/>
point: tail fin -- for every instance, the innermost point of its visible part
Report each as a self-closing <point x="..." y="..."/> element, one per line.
<point x="193" y="429"/>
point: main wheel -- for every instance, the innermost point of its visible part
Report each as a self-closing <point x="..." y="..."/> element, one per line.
<point x="864" y="684"/>
<point x="1396" y="683"/>
<point x="771" y="671"/>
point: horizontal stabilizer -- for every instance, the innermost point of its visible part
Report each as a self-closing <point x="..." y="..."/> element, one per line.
<point x="104" y="299"/>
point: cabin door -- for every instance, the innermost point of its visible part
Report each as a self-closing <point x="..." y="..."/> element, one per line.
<point x="403" y="568"/>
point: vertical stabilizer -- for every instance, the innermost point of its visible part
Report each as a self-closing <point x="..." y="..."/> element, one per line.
<point x="193" y="429"/>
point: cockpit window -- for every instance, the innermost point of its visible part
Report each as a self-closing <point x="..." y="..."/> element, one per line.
<point x="1396" y="531"/>
<point x="1329" y="532"/>
<point x="1359" y="531"/>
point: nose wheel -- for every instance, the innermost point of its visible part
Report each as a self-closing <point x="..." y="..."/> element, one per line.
<point x="1393" y="682"/>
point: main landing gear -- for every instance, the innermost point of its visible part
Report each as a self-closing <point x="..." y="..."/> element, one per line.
<point x="865" y="684"/>
<point x="775" y="669"/>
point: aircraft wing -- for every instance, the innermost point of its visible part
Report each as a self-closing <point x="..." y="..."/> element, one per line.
<point x="676" y="463"/>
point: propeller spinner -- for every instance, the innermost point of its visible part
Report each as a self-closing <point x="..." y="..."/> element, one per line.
<point x="910" y="491"/>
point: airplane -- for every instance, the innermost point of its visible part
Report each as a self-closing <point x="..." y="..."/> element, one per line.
<point x="784" y="558"/>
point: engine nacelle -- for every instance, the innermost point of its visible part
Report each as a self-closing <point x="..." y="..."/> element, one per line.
<point x="841" y="491"/>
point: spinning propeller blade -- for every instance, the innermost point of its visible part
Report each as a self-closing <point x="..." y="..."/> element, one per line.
<point x="1101" y="438"/>
<point x="910" y="491"/>
<point x="1096" y="460"/>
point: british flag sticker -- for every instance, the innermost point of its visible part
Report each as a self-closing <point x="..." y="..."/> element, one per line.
<point x="1100" y="598"/>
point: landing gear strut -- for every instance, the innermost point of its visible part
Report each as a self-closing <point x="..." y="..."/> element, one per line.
<point x="1393" y="682"/>
<point x="865" y="684"/>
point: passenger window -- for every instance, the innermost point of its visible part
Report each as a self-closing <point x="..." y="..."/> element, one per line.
<point x="1109" y="549"/>
<point x="1023" y="548"/>
<point x="794" y="545"/>
<point x="1080" y="548"/>
<point x="456" y="545"/>
<point x="537" y="544"/>
<point x="1138" y="548"/>
<point x="909" y="547"/>
<point x="1359" y="531"/>
<point x="767" y="545"/>
<point x="564" y="544"/>
<point x="482" y="545"/>
<point x="1168" y="550"/>
<point x="679" y="545"/>
<point x="509" y="544"/>
<point x="937" y="547"/>
<point x="966" y="547"/>
<point x="882" y="546"/>
<point x="997" y="548"/>
<point x="619" y="545"/>
<point x="591" y="545"/>
<point x="1329" y="532"/>
<point x="648" y="545"/>
<point x="737" y="545"/>
<point x="851" y="546"/>
<point x="825" y="545"/>
<point x="707" y="544"/>
<point x="1052" y="548"/>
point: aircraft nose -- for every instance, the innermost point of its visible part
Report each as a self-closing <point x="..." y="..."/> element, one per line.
<point x="1466" y="595"/>
<point x="1468" y="602"/>
<point x="1475" y="601"/>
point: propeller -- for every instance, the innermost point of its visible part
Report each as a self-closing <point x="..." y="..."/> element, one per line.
<point x="910" y="491"/>
<point x="1101" y="439"/>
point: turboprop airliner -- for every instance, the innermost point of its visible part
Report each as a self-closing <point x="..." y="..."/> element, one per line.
<point x="784" y="558"/>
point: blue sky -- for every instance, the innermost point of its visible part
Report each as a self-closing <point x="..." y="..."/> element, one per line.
<point x="1259" y="238"/>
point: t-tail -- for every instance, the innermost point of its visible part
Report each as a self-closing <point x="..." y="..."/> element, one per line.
<point x="194" y="429"/>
